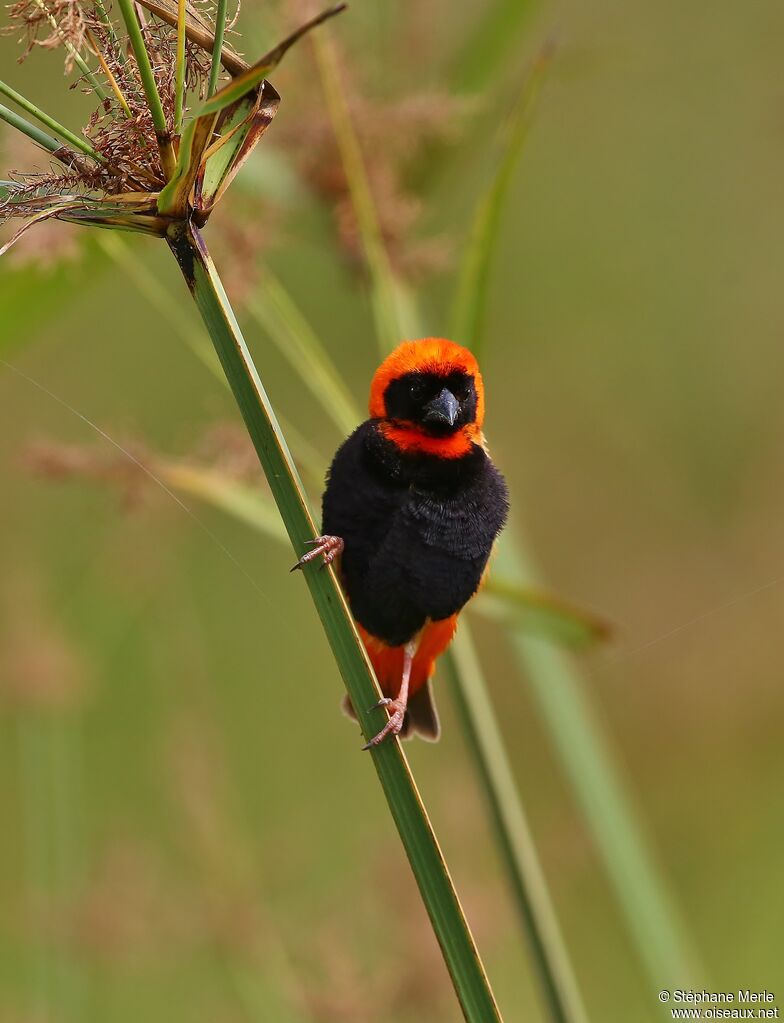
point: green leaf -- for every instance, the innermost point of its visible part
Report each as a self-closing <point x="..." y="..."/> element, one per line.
<point x="247" y="504"/>
<point x="173" y="198"/>
<point x="386" y="290"/>
<point x="276" y="312"/>
<point x="75" y="141"/>
<point x="505" y="600"/>
<point x="32" y="131"/>
<point x="240" y="127"/>
<point x="498" y="29"/>
<point x="515" y="841"/>
<point x="446" y="915"/>
<point x="470" y="306"/>
<point x="248" y="80"/>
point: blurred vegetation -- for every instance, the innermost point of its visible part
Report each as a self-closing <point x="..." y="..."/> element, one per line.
<point x="167" y="855"/>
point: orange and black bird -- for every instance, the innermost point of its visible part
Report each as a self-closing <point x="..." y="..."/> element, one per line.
<point x="412" y="508"/>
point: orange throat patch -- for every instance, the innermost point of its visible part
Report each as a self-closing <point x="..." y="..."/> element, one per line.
<point x="410" y="439"/>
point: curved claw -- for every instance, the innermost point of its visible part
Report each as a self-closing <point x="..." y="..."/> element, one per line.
<point x="392" y="727"/>
<point x="327" y="547"/>
<point x="383" y="702"/>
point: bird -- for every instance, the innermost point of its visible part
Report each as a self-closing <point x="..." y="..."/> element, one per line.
<point x="411" y="511"/>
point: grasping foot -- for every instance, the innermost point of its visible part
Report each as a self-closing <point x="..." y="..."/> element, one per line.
<point x="397" y="711"/>
<point x="396" y="708"/>
<point x="328" y="547"/>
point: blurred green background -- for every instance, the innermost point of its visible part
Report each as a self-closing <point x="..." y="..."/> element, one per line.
<point x="190" y="830"/>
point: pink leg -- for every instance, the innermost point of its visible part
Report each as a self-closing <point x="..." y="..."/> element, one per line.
<point x="329" y="547"/>
<point x="397" y="706"/>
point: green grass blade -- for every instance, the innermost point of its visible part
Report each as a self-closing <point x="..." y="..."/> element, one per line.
<point x="159" y="298"/>
<point x="643" y="895"/>
<point x="136" y="38"/>
<point x="173" y="197"/>
<point x="502" y="598"/>
<point x="498" y="29"/>
<point x="51" y="145"/>
<point x="384" y="296"/>
<point x="247" y="504"/>
<point x="106" y="22"/>
<point x="467" y="326"/>
<point x="243" y="83"/>
<point x="276" y="312"/>
<point x="438" y="893"/>
<point x="179" y="71"/>
<point x="585" y="752"/>
<point x="74" y="54"/>
<point x="515" y="841"/>
<point x="217" y="46"/>
<point x="68" y="136"/>
<point x="240" y="128"/>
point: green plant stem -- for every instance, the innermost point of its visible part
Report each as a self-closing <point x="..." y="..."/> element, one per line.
<point x="150" y="287"/>
<point x="585" y="752"/>
<point x="179" y="76"/>
<point x="516" y="844"/>
<point x="136" y="38"/>
<point x="497" y="29"/>
<point x="51" y="145"/>
<point x="217" y="46"/>
<point x="471" y="299"/>
<point x="558" y="689"/>
<point x="460" y="953"/>
<point x="68" y="136"/>
<point x="74" y="54"/>
<point x="383" y="293"/>
<point x="106" y="21"/>
<point x="273" y="308"/>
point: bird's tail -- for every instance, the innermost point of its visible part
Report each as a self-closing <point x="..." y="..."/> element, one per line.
<point x="421" y="715"/>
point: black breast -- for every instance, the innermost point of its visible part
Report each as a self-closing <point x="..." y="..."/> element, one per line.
<point x="418" y="530"/>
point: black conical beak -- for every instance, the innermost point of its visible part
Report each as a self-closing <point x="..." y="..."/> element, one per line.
<point x="442" y="410"/>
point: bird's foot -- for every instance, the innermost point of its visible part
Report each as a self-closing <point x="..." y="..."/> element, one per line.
<point x="327" y="547"/>
<point x="397" y="711"/>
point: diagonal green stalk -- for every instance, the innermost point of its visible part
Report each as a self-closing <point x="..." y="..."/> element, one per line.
<point x="74" y="54"/>
<point x="588" y="760"/>
<point x="106" y="21"/>
<point x="32" y="131"/>
<point x="383" y="284"/>
<point x="136" y="38"/>
<point x="471" y="298"/>
<point x="217" y="46"/>
<point x="68" y="136"/>
<point x="584" y="748"/>
<point x="438" y="893"/>
<point x="275" y="310"/>
<point x="148" y="285"/>
<point x="490" y="39"/>
<point x="179" y="71"/>
<point x="516" y="844"/>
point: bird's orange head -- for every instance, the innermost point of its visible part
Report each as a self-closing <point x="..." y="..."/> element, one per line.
<point x="429" y="396"/>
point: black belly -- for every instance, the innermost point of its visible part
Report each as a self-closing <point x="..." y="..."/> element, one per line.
<point x="418" y="531"/>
